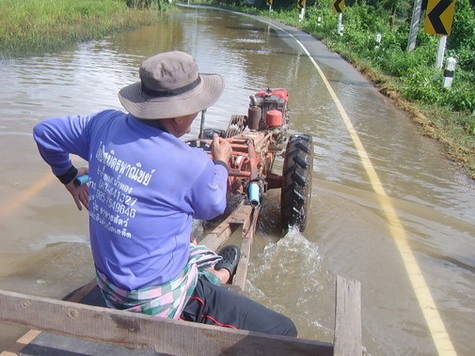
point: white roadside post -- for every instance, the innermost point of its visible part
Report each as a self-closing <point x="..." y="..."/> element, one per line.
<point x="338" y="7"/>
<point x="379" y="37"/>
<point x="449" y="72"/>
<point x="302" y="14"/>
<point x="440" y="52"/>
<point x="301" y="4"/>
<point x="340" y="24"/>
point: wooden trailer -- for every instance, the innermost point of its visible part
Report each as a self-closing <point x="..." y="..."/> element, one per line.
<point x="82" y="325"/>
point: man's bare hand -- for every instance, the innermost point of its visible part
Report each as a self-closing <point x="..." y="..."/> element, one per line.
<point x="221" y="149"/>
<point x="80" y="193"/>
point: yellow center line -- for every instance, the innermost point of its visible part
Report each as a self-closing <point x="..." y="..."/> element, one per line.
<point x="11" y="206"/>
<point x="432" y="317"/>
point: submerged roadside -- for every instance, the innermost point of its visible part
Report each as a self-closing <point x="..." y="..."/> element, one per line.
<point x="38" y="26"/>
<point x="448" y="127"/>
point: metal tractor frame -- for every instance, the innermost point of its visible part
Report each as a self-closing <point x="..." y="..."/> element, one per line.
<point x="256" y="140"/>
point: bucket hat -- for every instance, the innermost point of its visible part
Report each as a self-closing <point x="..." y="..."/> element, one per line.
<point x="171" y="86"/>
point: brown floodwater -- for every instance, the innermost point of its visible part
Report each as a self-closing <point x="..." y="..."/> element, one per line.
<point x="388" y="208"/>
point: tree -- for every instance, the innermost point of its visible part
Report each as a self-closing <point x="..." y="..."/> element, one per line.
<point x="139" y="4"/>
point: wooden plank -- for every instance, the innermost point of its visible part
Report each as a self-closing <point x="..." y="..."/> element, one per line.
<point x="249" y="220"/>
<point x="348" y="339"/>
<point x="31" y="335"/>
<point x="214" y="241"/>
<point x="48" y="344"/>
<point x="223" y="231"/>
<point x="83" y="292"/>
<point x="240" y="277"/>
<point x="21" y="342"/>
<point x="145" y="332"/>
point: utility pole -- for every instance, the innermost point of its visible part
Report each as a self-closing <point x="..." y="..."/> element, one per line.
<point x="416" y="16"/>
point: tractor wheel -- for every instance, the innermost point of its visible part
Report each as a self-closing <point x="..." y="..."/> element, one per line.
<point x="296" y="182"/>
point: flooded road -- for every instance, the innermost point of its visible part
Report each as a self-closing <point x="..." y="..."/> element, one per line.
<point x="387" y="208"/>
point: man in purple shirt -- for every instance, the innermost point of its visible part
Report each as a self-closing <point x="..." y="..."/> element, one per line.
<point x="146" y="187"/>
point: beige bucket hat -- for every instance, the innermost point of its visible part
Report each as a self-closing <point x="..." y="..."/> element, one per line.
<point x="171" y="86"/>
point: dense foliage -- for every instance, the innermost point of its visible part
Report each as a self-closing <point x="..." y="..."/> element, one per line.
<point x="147" y="4"/>
<point x="421" y="80"/>
<point x="139" y="4"/>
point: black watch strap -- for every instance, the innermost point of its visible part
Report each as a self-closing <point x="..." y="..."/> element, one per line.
<point x="68" y="176"/>
<point x="221" y="163"/>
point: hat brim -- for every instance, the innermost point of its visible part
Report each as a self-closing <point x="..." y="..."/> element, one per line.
<point x="144" y="106"/>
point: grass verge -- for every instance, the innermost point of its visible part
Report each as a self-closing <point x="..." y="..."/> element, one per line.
<point x="34" y="26"/>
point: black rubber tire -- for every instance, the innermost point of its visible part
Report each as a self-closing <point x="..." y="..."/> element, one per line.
<point x="296" y="182"/>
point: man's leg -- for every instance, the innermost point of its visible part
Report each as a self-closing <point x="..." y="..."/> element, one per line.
<point x="211" y="304"/>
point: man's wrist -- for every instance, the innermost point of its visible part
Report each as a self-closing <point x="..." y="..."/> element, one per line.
<point x="68" y="176"/>
<point x="222" y="163"/>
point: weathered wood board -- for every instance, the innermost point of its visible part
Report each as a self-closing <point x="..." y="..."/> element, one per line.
<point x="83" y="327"/>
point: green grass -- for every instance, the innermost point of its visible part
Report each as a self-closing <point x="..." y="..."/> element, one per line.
<point x="32" y="26"/>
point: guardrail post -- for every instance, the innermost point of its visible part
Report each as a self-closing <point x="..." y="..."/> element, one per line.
<point x="449" y="72"/>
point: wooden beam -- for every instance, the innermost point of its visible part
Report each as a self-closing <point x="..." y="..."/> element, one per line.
<point x="248" y="232"/>
<point x="21" y="343"/>
<point x="241" y="217"/>
<point x="348" y="339"/>
<point x="146" y="332"/>
<point x="216" y="238"/>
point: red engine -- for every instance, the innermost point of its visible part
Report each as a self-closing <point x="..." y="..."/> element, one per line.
<point x="268" y="109"/>
<point x="282" y="93"/>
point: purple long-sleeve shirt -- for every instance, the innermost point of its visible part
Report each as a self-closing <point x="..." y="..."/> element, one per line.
<point x="146" y="187"/>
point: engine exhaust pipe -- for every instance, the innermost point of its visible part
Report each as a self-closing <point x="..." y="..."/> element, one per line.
<point x="254" y="114"/>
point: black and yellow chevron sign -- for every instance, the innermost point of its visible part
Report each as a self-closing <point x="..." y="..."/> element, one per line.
<point x="338" y="6"/>
<point x="269" y="2"/>
<point x="439" y="18"/>
<point x="300" y="4"/>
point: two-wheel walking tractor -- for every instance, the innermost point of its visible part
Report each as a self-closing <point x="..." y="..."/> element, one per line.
<point x="257" y="139"/>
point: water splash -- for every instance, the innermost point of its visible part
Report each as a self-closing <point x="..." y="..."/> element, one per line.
<point x="292" y="278"/>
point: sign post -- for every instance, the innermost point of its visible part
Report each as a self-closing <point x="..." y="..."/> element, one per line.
<point x="440" y="52"/>
<point x="269" y="3"/>
<point x="440" y="15"/>
<point x="338" y="7"/>
<point x="301" y="5"/>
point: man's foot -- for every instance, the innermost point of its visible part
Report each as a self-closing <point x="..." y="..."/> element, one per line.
<point x="231" y="255"/>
